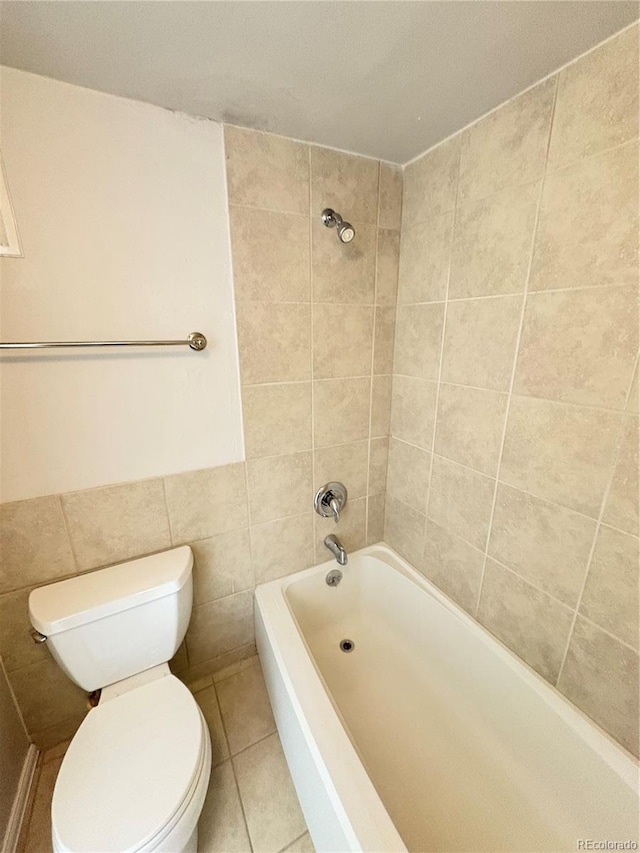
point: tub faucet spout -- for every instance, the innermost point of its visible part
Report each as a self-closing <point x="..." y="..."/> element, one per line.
<point x="335" y="546"/>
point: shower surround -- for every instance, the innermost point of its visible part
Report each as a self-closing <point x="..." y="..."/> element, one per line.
<point x="513" y="462"/>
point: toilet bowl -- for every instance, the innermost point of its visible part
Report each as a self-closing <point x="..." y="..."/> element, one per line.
<point x="136" y="773"/>
<point x="135" y="776"/>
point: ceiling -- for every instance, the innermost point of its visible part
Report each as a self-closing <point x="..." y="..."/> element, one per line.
<point x="386" y="79"/>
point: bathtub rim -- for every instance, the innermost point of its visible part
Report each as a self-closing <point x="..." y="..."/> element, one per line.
<point x="354" y="799"/>
<point x="617" y="758"/>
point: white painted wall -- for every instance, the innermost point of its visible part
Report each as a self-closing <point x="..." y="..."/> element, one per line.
<point x="122" y="213"/>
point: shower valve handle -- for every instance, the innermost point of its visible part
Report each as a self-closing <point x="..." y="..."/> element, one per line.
<point x="330" y="500"/>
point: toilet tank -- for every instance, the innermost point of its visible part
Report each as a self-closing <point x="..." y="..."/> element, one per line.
<point x="110" y="624"/>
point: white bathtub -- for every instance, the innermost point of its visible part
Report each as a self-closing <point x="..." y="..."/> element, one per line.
<point x="430" y="735"/>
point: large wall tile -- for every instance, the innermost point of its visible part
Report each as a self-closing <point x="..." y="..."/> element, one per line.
<point x="579" y="346"/>
<point x="380" y="406"/>
<point x="460" y="500"/>
<point x="17" y="648"/>
<point x="547" y="545"/>
<point x="533" y="625"/>
<point x="282" y="547"/>
<point x="267" y="171"/>
<point x="559" y="239"/>
<point x="271" y="255"/>
<point x="469" y="426"/>
<point x="408" y="474"/>
<point x="279" y="486"/>
<point x="597" y="101"/>
<point x="621" y="509"/>
<point x="350" y="530"/>
<point x="45" y="695"/>
<point x="588" y="228"/>
<point x="480" y="341"/>
<point x="418" y="340"/>
<point x="341" y="410"/>
<point x="114" y="523"/>
<point x="600" y="676"/>
<point x="413" y="409"/>
<point x="277" y="418"/>
<point x="560" y="453"/>
<point x="204" y="503"/>
<point x="492" y="243"/>
<point x="375" y="519"/>
<point x="58" y="733"/>
<point x="346" y="182"/>
<point x="343" y="272"/>
<point x="274" y="342"/>
<point x="220" y="626"/>
<point x="429" y="186"/>
<point x="632" y="402"/>
<point x="378" y="461"/>
<point x="342" y="340"/>
<point x="610" y="597"/>
<point x="383" y="339"/>
<point x="404" y="530"/>
<point x="508" y="147"/>
<point x="453" y="565"/>
<point x="346" y="463"/>
<point x="222" y="566"/>
<point x="387" y="261"/>
<point x="390" y="201"/>
<point x="34" y="543"/>
<point x="424" y="260"/>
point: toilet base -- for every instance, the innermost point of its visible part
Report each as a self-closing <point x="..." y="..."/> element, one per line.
<point x="192" y="843"/>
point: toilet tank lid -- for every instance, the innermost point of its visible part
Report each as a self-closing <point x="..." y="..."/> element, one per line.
<point x="89" y="597"/>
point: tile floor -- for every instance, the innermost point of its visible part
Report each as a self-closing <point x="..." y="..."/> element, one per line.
<point x="251" y="804"/>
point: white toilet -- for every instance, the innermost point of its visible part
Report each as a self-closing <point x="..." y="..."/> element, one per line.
<point x="136" y="774"/>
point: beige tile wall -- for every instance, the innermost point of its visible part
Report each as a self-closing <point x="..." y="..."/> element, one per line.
<point x="316" y="382"/>
<point x="513" y="464"/>
<point x="315" y="330"/>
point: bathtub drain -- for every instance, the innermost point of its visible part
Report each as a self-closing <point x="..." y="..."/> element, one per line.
<point x="347" y="645"/>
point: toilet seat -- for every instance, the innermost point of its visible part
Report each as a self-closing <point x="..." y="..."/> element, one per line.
<point x="131" y="770"/>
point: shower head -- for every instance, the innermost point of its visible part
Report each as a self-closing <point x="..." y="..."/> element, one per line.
<point x="346" y="231"/>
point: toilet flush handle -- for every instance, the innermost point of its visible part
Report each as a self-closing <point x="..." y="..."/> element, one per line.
<point x="37" y="637"/>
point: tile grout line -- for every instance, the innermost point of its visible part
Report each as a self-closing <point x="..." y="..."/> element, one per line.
<point x="311" y="354"/>
<point x="603" y="505"/>
<point x="506" y="393"/>
<point x="532" y="247"/>
<point x="373" y="350"/>
<point x="231" y="764"/>
<point x="441" y="356"/>
<point x="520" y="577"/>
<point x="255" y="743"/>
<point x="304" y="381"/>
<point x="284" y="849"/>
<point x="472" y="297"/>
<point x="508" y="294"/>
<point x="565" y="507"/>
<point x="491" y="197"/>
<point x="393" y="353"/>
<point x="166" y="507"/>
<point x="65" y="522"/>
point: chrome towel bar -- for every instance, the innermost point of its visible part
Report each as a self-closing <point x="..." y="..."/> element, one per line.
<point x="195" y="340"/>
